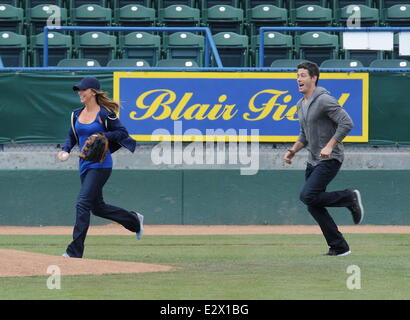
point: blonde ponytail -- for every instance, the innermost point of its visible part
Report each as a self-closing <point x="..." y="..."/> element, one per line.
<point x="103" y="101"/>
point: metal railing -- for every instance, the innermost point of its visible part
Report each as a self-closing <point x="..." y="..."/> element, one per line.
<point x="262" y="31"/>
<point x="208" y="45"/>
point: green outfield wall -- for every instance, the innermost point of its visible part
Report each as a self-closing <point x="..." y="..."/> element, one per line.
<point x="41" y="114"/>
<point x="200" y="197"/>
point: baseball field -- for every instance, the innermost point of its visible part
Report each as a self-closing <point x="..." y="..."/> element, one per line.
<point x="205" y="263"/>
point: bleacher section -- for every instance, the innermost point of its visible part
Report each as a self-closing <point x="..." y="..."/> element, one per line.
<point x="234" y="26"/>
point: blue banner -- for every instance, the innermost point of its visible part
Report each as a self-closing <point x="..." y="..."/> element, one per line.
<point x="201" y="106"/>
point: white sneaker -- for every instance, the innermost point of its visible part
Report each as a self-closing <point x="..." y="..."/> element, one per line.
<point x="66" y="255"/>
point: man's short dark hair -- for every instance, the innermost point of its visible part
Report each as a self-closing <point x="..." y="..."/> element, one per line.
<point x="311" y="67"/>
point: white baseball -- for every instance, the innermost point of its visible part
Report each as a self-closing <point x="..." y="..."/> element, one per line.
<point x="63" y="156"/>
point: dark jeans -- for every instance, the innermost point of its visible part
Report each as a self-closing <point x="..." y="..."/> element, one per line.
<point x="316" y="198"/>
<point x="89" y="199"/>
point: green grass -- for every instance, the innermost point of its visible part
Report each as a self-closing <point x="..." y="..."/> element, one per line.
<point x="248" y="267"/>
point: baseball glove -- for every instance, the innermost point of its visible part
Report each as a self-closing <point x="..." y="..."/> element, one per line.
<point x="95" y="148"/>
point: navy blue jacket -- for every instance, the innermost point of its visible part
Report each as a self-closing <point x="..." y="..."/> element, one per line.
<point x="116" y="134"/>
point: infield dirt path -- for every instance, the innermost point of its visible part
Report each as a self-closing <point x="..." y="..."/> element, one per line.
<point x="14" y="263"/>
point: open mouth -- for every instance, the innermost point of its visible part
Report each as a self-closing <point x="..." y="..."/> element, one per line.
<point x="301" y="85"/>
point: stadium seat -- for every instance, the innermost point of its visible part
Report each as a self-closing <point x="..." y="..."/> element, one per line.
<point x="341" y="63"/>
<point x="179" y="16"/>
<point x="59" y="48"/>
<point x="116" y="4"/>
<point x="293" y="4"/>
<point x="141" y="45"/>
<point x="390" y="63"/>
<point x="128" y="63"/>
<point x="276" y="46"/>
<point x="369" y="17"/>
<point x="248" y="4"/>
<point x="233" y="49"/>
<point x="34" y="3"/>
<point x="97" y="45"/>
<point x="79" y="3"/>
<point x="91" y="15"/>
<point x="364" y="56"/>
<point x="395" y="53"/>
<point x="224" y="18"/>
<point x="176" y="63"/>
<point x="205" y="4"/>
<point x="265" y="16"/>
<point x="78" y="63"/>
<point x="397" y="15"/>
<point x="11" y="18"/>
<point x="185" y="45"/>
<point x="14" y="3"/>
<point x="13" y="49"/>
<point x="166" y="3"/>
<point x="317" y="46"/>
<point x="338" y="4"/>
<point x="38" y="16"/>
<point x="384" y="4"/>
<point x="286" y="63"/>
<point x="311" y="16"/>
<point x="135" y="15"/>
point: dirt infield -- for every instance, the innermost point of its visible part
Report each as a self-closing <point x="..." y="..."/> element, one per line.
<point x="115" y="229"/>
<point x="20" y="263"/>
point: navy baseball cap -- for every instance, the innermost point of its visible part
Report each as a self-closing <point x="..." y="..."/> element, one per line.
<point x="87" y="83"/>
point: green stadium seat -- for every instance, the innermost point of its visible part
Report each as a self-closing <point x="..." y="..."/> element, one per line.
<point x="13" y="49"/>
<point x="390" y="63"/>
<point x="185" y="45"/>
<point x="141" y="45"/>
<point x="233" y="49"/>
<point x="59" y="48"/>
<point x="369" y="17"/>
<point x="116" y="4"/>
<point x="179" y="16"/>
<point x="293" y="4"/>
<point x="14" y="3"/>
<point x="91" y="15"/>
<point x="11" y="18"/>
<point x="38" y="16"/>
<point x="79" y="3"/>
<point x="276" y="46"/>
<point x="176" y="63"/>
<point x="341" y="63"/>
<point x="206" y="4"/>
<point x="135" y="15"/>
<point x="311" y="16"/>
<point x="397" y="15"/>
<point x="395" y="53"/>
<point x="317" y="46"/>
<point x="34" y="3"/>
<point x="265" y="16"/>
<point x="128" y="63"/>
<point x="364" y="56"/>
<point x="338" y="4"/>
<point x="166" y="3"/>
<point x="286" y="63"/>
<point x="248" y="4"/>
<point x="384" y="4"/>
<point x="224" y="18"/>
<point x="97" y="45"/>
<point x="78" y="63"/>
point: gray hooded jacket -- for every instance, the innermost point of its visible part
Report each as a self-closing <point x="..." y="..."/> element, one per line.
<point x="321" y="120"/>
